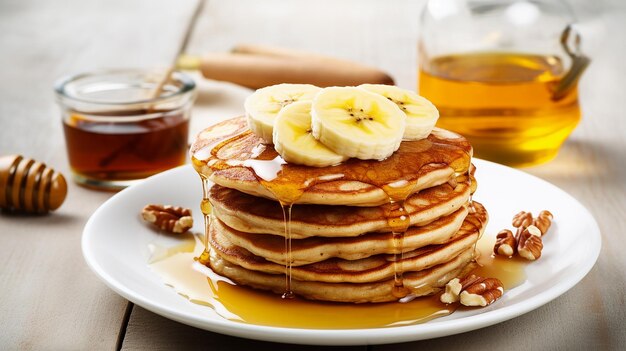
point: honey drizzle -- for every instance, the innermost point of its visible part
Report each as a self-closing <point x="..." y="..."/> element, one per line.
<point x="399" y="222"/>
<point x="472" y="210"/>
<point x="288" y="294"/>
<point x="397" y="236"/>
<point x="207" y="214"/>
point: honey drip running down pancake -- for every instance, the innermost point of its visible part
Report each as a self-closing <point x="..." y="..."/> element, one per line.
<point x="360" y="231"/>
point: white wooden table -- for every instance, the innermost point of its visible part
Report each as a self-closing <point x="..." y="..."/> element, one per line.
<point x="49" y="298"/>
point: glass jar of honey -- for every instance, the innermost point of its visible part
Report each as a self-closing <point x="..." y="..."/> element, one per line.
<point x="117" y="131"/>
<point x="504" y="74"/>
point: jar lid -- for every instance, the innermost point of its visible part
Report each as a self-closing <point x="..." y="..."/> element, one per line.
<point x="121" y="87"/>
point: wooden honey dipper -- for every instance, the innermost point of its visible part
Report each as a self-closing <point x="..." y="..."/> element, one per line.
<point x="30" y="186"/>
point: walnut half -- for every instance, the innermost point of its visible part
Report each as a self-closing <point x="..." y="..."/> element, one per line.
<point x="543" y="221"/>
<point x="171" y="219"/>
<point x="473" y="291"/>
<point x="482" y="292"/>
<point x="522" y="219"/>
<point x="505" y="243"/>
<point x="452" y="292"/>
<point x="529" y="243"/>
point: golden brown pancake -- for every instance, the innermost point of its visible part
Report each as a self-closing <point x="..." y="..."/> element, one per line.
<point x="315" y="249"/>
<point x="251" y="214"/>
<point x="420" y="283"/>
<point x="232" y="156"/>
<point x="368" y="269"/>
<point x="336" y="270"/>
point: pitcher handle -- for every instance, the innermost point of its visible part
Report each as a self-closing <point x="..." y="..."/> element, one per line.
<point x="580" y="62"/>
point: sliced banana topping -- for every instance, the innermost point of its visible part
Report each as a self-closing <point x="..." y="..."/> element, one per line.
<point x="323" y="127"/>
<point x="354" y="122"/>
<point x="421" y="114"/>
<point x="263" y="105"/>
<point x="295" y="143"/>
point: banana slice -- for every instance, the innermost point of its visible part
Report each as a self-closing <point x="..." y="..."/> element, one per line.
<point x="263" y="105"/>
<point x="293" y="139"/>
<point x="421" y="114"/>
<point x="356" y="123"/>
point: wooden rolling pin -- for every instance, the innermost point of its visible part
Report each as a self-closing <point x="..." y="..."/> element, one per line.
<point x="30" y="186"/>
<point x="259" y="66"/>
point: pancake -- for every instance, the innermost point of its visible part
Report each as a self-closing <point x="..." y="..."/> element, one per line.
<point x="425" y="282"/>
<point x="315" y="249"/>
<point x="252" y="214"/>
<point x="336" y="270"/>
<point x="368" y="269"/>
<point x="230" y="155"/>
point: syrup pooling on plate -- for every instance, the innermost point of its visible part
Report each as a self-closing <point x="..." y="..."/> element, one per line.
<point x="510" y="271"/>
<point x="242" y="151"/>
<point x="201" y="286"/>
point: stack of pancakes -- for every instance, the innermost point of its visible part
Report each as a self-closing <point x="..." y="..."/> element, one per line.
<point x="339" y="245"/>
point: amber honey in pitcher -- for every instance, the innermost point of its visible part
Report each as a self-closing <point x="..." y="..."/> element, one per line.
<point x="504" y="103"/>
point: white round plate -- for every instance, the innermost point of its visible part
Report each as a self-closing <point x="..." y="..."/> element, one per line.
<point x="115" y="246"/>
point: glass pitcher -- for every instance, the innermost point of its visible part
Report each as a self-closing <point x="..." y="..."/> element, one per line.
<point x="504" y="74"/>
